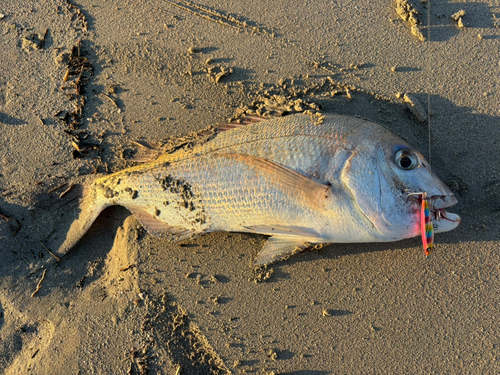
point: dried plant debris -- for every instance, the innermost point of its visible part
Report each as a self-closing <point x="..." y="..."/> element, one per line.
<point x="82" y="145"/>
<point x="410" y="15"/>
<point x="139" y="361"/>
<point x="79" y="71"/>
<point x="458" y="17"/>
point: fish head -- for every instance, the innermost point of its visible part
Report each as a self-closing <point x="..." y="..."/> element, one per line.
<point x="409" y="169"/>
<point x="388" y="178"/>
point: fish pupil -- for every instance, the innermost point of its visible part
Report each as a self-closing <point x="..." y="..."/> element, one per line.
<point x="405" y="162"/>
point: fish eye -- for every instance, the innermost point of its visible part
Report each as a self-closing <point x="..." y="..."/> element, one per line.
<point x="406" y="159"/>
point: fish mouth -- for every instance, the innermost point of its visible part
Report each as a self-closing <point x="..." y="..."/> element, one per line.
<point x="443" y="220"/>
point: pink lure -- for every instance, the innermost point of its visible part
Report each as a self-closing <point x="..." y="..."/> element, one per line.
<point x="426" y="227"/>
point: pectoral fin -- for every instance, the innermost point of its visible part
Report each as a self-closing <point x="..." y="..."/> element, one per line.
<point x="289" y="231"/>
<point x="305" y="190"/>
<point x="277" y="248"/>
<point x="158" y="228"/>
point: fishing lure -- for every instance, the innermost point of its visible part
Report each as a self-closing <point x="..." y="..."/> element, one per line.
<point x="426" y="227"/>
<point x="426" y="224"/>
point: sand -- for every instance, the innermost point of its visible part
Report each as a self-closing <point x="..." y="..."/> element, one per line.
<point x="81" y="81"/>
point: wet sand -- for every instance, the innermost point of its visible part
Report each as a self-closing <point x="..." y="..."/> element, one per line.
<point x="80" y="82"/>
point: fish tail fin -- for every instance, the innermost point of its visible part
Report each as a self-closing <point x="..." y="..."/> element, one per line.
<point x="90" y="207"/>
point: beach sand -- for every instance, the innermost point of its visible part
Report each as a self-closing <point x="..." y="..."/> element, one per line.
<point x="81" y="81"/>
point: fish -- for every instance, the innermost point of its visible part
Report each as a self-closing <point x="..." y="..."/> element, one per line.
<point x="296" y="179"/>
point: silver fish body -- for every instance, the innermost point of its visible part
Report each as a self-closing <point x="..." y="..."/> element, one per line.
<point x="344" y="180"/>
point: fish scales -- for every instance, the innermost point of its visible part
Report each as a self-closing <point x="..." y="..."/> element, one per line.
<point x="297" y="141"/>
<point x="216" y="191"/>
<point x="345" y="180"/>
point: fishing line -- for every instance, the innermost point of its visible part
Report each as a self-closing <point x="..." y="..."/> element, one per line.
<point x="429" y="77"/>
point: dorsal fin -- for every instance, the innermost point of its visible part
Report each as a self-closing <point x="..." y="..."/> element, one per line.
<point x="147" y="152"/>
<point x="238" y="123"/>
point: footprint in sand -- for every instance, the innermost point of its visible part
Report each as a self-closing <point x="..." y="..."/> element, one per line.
<point x="22" y="341"/>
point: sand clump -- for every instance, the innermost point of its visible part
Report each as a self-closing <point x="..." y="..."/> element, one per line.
<point x="409" y="14"/>
<point x="458" y="18"/>
<point x="414" y="105"/>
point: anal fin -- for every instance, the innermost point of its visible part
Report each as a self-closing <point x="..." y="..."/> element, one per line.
<point x="158" y="228"/>
<point x="278" y="247"/>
